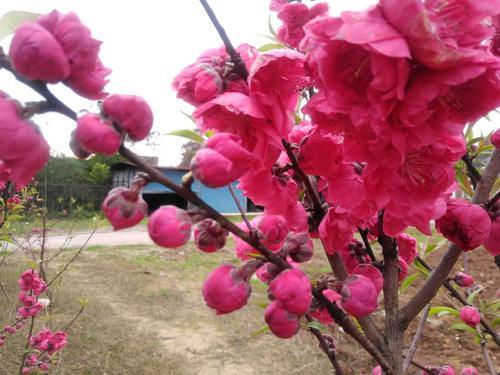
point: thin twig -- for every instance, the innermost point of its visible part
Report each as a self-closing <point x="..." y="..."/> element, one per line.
<point x="472" y="172"/>
<point x="239" y="65"/>
<point x="364" y="236"/>
<point x="242" y="211"/>
<point x="493" y="200"/>
<point x="325" y="347"/>
<point x="486" y="354"/>
<point x="416" y="339"/>
<point x="4" y="292"/>
<point x="68" y="326"/>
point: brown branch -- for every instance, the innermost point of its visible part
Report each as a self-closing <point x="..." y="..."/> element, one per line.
<point x="436" y="279"/>
<point x="239" y="65"/>
<point x="486" y="354"/>
<point x="364" y="236"/>
<point x="350" y="328"/>
<point x="325" y="347"/>
<point x="393" y="334"/>
<point x="416" y="339"/>
<point x="472" y="172"/>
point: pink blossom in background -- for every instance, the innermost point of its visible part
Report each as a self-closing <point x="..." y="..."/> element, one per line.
<point x="124" y="208"/>
<point x="225" y="290"/>
<point x="31" y="281"/>
<point x="469" y="371"/>
<point x="97" y="135"/>
<point x="209" y="236"/>
<point x="277" y="5"/>
<point x="169" y="226"/>
<point x="359" y="296"/>
<point x="440" y="370"/>
<point x="23" y="150"/>
<point x="465" y="224"/>
<point x="292" y="291"/>
<point x="377" y="370"/>
<point x="294" y="17"/>
<point x="46" y="340"/>
<point x="37" y="55"/>
<point x="470" y="316"/>
<point x="131" y="113"/>
<point x="281" y="322"/>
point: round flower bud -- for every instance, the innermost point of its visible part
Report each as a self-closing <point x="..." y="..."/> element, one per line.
<point x="470" y="316"/>
<point x="282" y="323"/>
<point x="462" y="279"/>
<point x="124" y="208"/>
<point x="169" y="226"/>
<point x="97" y="135"/>
<point x="226" y="289"/>
<point x="209" y="235"/>
<point x="292" y="291"/>
<point x="359" y="296"/>
<point x="299" y="246"/>
<point x="272" y="229"/>
<point x="131" y="113"/>
<point x="465" y="224"/>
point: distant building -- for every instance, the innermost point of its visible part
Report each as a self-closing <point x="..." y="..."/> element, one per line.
<point x="156" y="194"/>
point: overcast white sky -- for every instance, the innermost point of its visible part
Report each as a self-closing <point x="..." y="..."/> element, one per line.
<point x="147" y="43"/>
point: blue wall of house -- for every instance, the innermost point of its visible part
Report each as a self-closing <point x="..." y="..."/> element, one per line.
<point x="220" y="198"/>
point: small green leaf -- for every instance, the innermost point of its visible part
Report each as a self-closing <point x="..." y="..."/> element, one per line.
<point x="495" y="322"/>
<point x="443" y="310"/>
<point x="261" y="331"/>
<point x="463" y="327"/>
<point x="419" y="266"/>
<point x="187" y="133"/>
<point x="317" y="325"/>
<point x="270" y="46"/>
<point x="473" y="295"/>
<point x="270" y="26"/>
<point x="408" y="281"/>
<point x="11" y="20"/>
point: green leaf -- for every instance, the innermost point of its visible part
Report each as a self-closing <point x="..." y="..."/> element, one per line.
<point x="433" y="247"/>
<point x="261" y="331"/>
<point x="317" y="325"/>
<point x="495" y="322"/>
<point x="189" y="134"/>
<point x="443" y="310"/>
<point x="270" y="26"/>
<point x="473" y="295"/>
<point x="270" y="46"/>
<point x="463" y="327"/>
<point x="408" y="281"/>
<point x="419" y="266"/>
<point x="11" y="20"/>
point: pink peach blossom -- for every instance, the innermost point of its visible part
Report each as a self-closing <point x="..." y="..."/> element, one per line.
<point x="37" y="55"/>
<point x="469" y="371"/>
<point x="292" y="291"/>
<point x="272" y="229"/>
<point x="95" y="134"/>
<point x="131" y="113"/>
<point x="372" y="273"/>
<point x="470" y="316"/>
<point x="225" y="289"/>
<point x="169" y="226"/>
<point x="462" y="279"/>
<point x="359" y="296"/>
<point x="281" y="322"/>
<point x="336" y="229"/>
<point x="124" y="208"/>
<point x="466" y="224"/>
<point x="492" y="243"/>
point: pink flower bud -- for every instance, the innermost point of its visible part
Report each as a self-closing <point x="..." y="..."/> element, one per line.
<point x="268" y="272"/>
<point x="272" y="229"/>
<point x="25" y="370"/>
<point x="209" y="235"/>
<point x="124" y="208"/>
<point x="169" y="226"/>
<point x="131" y="113"/>
<point x="226" y="289"/>
<point x="495" y="138"/>
<point x="467" y="225"/>
<point x="377" y="370"/>
<point x="292" y="291"/>
<point x="77" y="148"/>
<point x="371" y="272"/>
<point x="44" y="366"/>
<point x="9" y="329"/>
<point x="462" y="279"/>
<point x="221" y="161"/>
<point x="37" y="55"/>
<point x="282" y="323"/>
<point x="299" y="246"/>
<point x="407" y="246"/>
<point x="359" y="296"/>
<point x="469" y="371"/>
<point x="470" y="316"/>
<point x="97" y="135"/>
<point x="198" y="83"/>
